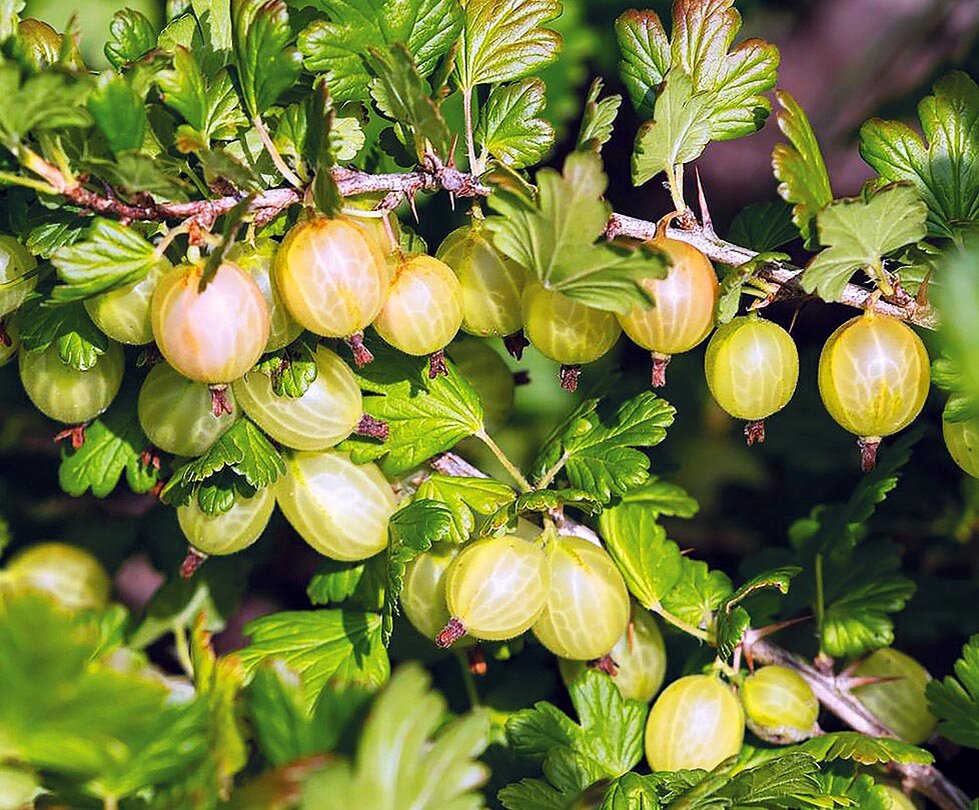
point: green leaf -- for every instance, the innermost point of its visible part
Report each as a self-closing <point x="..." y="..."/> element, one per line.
<point x="799" y="168"/>
<point x="598" y="119"/>
<point x="958" y="303"/>
<point x="660" y="497"/>
<point x="854" y="747"/>
<point x="631" y="792"/>
<point x="359" y="583"/>
<point x="557" y="239"/>
<point x="80" y="343"/>
<point x="405" y="97"/>
<point x="113" y="444"/>
<point x="963" y="400"/>
<point x="131" y="35"/>
<point x="291" y="370"/>
<point x="733" y="620"/>
<point x="858" y="233"/>
<point x="267" y="64"/>
<point x="469" y="500"/>
<point x="697" y="594"/>
<point x="763" y="226"/>
<point x="179" y="602"/>
<point x="44" y="102"/>
<point x="242" y="457"/>
<point x="410" y="754"/>
<point x="646" y="57"/>
<point x="955" y="700"/>
<point x="510" y="127"/>
<point x="427" y="28"/>
<point x="208" y="103"/>
<point x="942" y="166"/>
<point x="503" y="41"/>
<point x="322" y="646"/>
<point x="111" y="256"/>
<point x="425" y="417"/>
<point x="118" y="111"/>
<point x="596" y="445"/>
<point x="544" y="500"/>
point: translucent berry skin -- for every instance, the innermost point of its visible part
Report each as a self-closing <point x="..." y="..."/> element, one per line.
<point x="696" y="722"/>
<point x="639" y="656"/>
<point x="65" y="394"/>
<point x="256" y="259"/>
<point x="340" y="508"/>
<point x="213" y="336"/>
<point x="489" y="375"/>
<point x="874" y="375"/>
<point x="587" y="607"/>
<point x="332" y="276"/>
<point x="684" y="301"/>
<point x="124" y="314"/>
<point x="227" y="532"/>
<point x="565" y="330"/>
<point x="900" y="705"/>
<point x="962" y="441"/>
<point x="752" y="367"/>
<point x="779" y="705"/>
<point x="68" y="574"/>
<point x="16" y="276"/>
<point x="176" y="413"/>
<point x="497" y="587"/>
<point x="492" y="284"/>
<point x="423" y="596"/>
<point x="423" y="311"/>
<point x="322" y="417"/>
<point x="12" y="327"/>
<point x="899" y="799"/>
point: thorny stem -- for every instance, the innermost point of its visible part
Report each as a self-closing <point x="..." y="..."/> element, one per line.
<point x="502" y="457"/>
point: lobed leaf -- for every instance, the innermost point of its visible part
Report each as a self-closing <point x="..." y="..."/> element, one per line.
<point x="955" y="700"/>
<point x="80" y="343"/>
<point x="470" y="501"/>
<point x="267" y="64"/>
<point x="510" y="127"/>
<point x="119" y="112"/>
<point x="598" y="119"/>
<point x="131" y="35"/>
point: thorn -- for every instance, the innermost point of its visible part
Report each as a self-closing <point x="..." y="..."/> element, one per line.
<point x="452" y="200"/>
<point x="76" y="433"/>
<point x="754" y="431"/>
<point x="411" y="202"/>
<point x="660" y="362"/>
<point x="569" y="377"/>
<point x="193" y="561"/>
<point x="477" y="661"/>
<point x="372" y="428"/>
<point x="436" y="365"/>
<point x="868" y="680"/>
<point x="707" y="223"/>
<point x="868" y="452"/>
<point x="362" y="355"/>
<point x="450" y="634"/>
<point x="515" y="344"/>
<point x="220" y="401"/>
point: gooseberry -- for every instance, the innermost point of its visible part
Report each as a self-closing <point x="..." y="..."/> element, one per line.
<point x="682" y="314"/>
<point x="779" y="705"/>
<point x="176" y="414"/>
<point x="566" y="330"/>
<point x="696" y="722"/>
<point x="492" y="283"/>
<point x="230" y="531"/>
<point x="961" y="439"/>
<point x="333" y="277"/>
<point x="899" y="704"/>
<point x="752" y="367"/>
<point x="340" y="508"/>
<point x="124" y="314"/>
<point x="495" y="589"/>
<point x="587" y="605"/>
<point x="17" y="276"/>
<point x="65" y="394"/>
<point x="256" y="259"/>
<point x="873" y="378"/>
<point x="423" y="595"/>
<point x="489" y="375"/>
<point x="68" y="574"/>
<point x="213" y="336"/>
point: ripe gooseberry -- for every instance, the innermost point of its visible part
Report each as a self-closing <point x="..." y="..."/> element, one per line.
<point x="124" y="314"/>
<point x="492" y="283"/>
<point x="752" y="367"/>
<point x="962" y="441"/>
<point x="696" y="722"/>
<point x="65" y="394"/>
<point x="340" y="508"/>
<point x="682" y="314"/>
<point x="334" y="279"/>
<point x="256" y="259"/>
<point x="326" y="413"/>
<point x="899" y="704"/>
<point x="176" y="414"/>
<point x="213" y="336"/>
<point x="495" y="589"/>
<point x="489" y="375"/>
<point x="638" y="659"/>
<point x="9" y="338"/>
<point x="567" y="331"/>
<point x="873" y="378"/>
<point x="779" y="705"/>
<point x="587" y="606"/>
<point x="226" y="532"/>
<point x="423" y="595"/>
<point x="68" y="574"/>
<point x="423" y="310"/>
<point x="17" y="276"/>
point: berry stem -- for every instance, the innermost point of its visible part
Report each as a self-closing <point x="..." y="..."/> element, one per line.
<point x="450" y="634"/>
<point x="569" y="377"/>
<point x="868" y="452"/>
<point x="76" y="433"/>
<point x="372" y="428"/>
<point x="220" y="401"/>
<point x="754" y="431"/>
<point x="436" y="365"/>
<point x="362" y="355"/>
<point x="193" y="561"/>
<point x="660" y="362"/>
<point x="515" y="344"/>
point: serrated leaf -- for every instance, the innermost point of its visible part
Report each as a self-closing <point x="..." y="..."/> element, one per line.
<point x="596" y="445"/>
<point x="44" y="102"/>
<point x="799" y="168"/>
<point x="857" y="233"/>
<point x="267" y="64"/>
<point x="322" y="646"/>
<point x="470" y="501"/>
<point x="510" y="127"/>
<point x="112" y="255"/>
<point x="955" y="700"/>
<point x="290" y="370"/>
<point x="763" y="227"/>
<point x="544" y="500"/>
<point x="646" y="57"/>
<point x="360" y="583"/>
<point x="80" y="343"/>
<point x="958" y="303"/>
<point x="963" y="400"/>
<point x="598" y="119"/>
<point x="56" y="230"/>
<point x="425" y="417"/>
<point x="503" y="41"/>
<point x="427" y="28"/>
<point x="207" y="102"/>
<point x="850" y="745"/>
<point x="942" y="165"/>
<point x="697" y="594"/>
<point x="118" y="111"/>
<point x="733" y="620"/>
<point x="131" y="35"/>
<point x="557" y="239"/>
<point x="660" y="497"/>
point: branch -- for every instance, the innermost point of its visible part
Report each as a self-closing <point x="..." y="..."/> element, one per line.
<point x="838" y="700"/>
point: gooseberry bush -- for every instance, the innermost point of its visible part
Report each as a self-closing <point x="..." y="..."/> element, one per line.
<point x="260" y="278"/>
